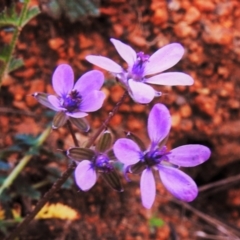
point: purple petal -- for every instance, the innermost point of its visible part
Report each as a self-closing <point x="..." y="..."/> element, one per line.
<point x="171" y="79"/>
<point x="63" y="79"/>
<point x="189" y="155"/>
<point x="85" y="175"/>
<point x="104" y="63"/>
<point x="159" y="123"/>
<point x="141" y="92"/>
<point x="125" y="51"/>
<point x="55" y="102"/>
<point x="76" y="114"/>
<point x="92" y="102"/>
<point x="164" y="58"/>
<point x="92" y="80"/>
<point x="178" y="183"/>
<point x="127" y="151"/>
<point x="43" y="99"/>
<point x="148" y="188"/>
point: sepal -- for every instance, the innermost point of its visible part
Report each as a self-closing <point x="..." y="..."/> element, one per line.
<point x="113" y="180"/>
<point x="59" y="120"/>
<point x="79" y="154"/>
<point x="105" y="142"/>
<point x="80" y="123"/>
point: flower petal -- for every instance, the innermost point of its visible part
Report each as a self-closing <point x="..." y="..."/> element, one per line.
<point x="140" y="92"/>
<point x="171" y="79"/>
<point x="55" y="102"/>
<point x="59" y="120"/>
<point x="76" y="114"/>
<point x="63" y="79"/>
<point x="92" y="102"/>
<point x="148" y="188"/>
<point x="105" y="63"/>
<point x="127" y="151"/>
<point x="164" y="58"/>
<point x="189" y="155"/>
<point x="125" y="51"/>
<point x="159" y="123"/>
<point x="43" y="99"/>
<point x="178" y="183"/>
<point x="92" y="80"/>
<point x="85" y="175"/>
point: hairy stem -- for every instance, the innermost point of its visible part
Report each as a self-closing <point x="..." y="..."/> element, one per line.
<point x="57" y="185"/>
<point x="13" y="43"/>
<point x="72" y="133"/>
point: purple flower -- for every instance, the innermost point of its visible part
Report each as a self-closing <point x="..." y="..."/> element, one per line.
<point x="142" y="67"/>
<point x="73" y="101"/>
<point x="92" y="163"/>
<point x="138" y="160"/>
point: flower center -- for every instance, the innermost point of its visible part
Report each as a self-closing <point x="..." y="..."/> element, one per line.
<point x="72" y="101"/>
<point x="102" y="164"/>
<point x="139" y="66"/>
<point x="154" y="157"/>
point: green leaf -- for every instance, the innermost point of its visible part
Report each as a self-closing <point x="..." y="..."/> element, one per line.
<point x="9" y="17"/>
<point x="4" y="53"/>
<point x="156" y="222"/>
<point x="31" y="13"/>
<point x="14" y="64"/>
<point x="26" y="139"/>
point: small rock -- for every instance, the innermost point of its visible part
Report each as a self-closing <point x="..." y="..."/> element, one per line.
<point x="182" y="29"/>
<point x="176" y="119"/>
<point x="116" y="120"/>
<point x="160" y="16"/>
<point x="206" y="104"/>
<point x="234" y="104"/>
<point x="216" y="34"/>
<point x="185" y="111"/>
<point x="138" y="40"/>
<point x="192" y="15"/>
<point x="204" y="6"/>
<point x="116" y="93"/>
<point x="55" y="43"/>
<point x="138" y="108"/>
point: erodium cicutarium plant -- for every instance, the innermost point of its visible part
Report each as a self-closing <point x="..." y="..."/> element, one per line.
<point x="144" y="69"/>
<point x="97" y="156"/>
<point x="167" y="162"/>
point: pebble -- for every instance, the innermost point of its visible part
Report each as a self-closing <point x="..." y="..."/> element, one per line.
<point x="55" y="43"/>
<point x="192" y="15"/>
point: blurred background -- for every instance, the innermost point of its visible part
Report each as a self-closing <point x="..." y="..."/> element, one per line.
<point x="206" y="113"/>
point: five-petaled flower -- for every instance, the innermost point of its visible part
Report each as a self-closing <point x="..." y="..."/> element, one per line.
<point x="144" y="69"/>
<point x="93" y="162"/>
<point x="73" y="101"/>
<point x="137" y="159"/>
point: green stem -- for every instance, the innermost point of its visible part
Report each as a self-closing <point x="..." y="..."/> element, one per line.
<point x="23" y="162"/>
<point x="13" y="41"/>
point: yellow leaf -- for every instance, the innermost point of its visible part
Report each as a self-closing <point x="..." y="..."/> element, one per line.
<point x="59" y="211"/>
